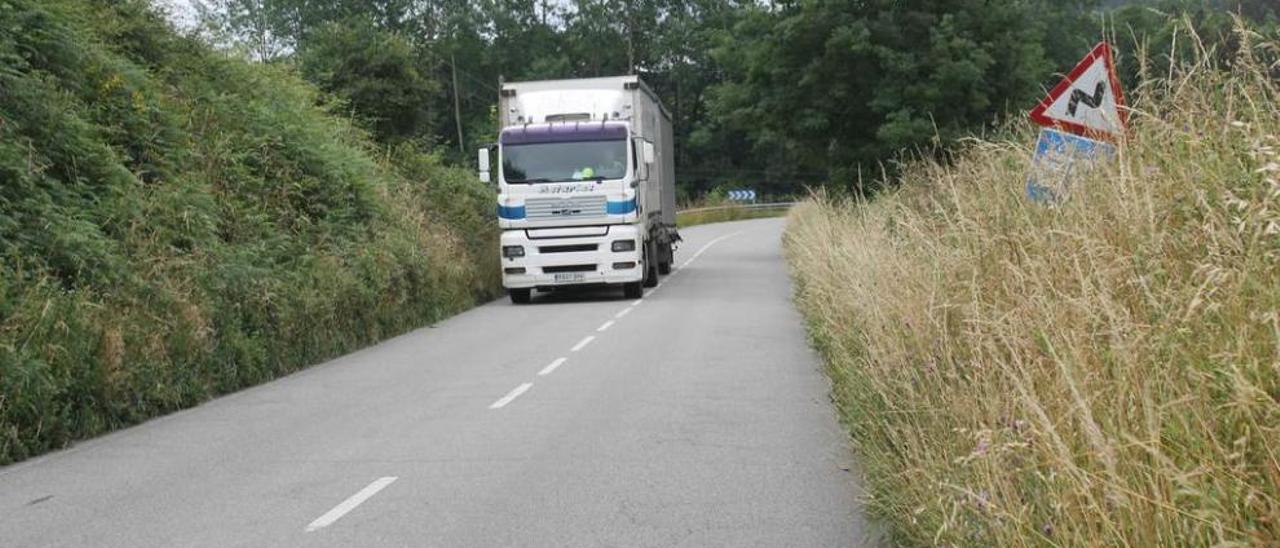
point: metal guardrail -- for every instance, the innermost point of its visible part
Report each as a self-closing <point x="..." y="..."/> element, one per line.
<point x="774" y="205"/>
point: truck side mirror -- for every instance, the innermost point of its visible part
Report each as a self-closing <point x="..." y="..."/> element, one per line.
<point x="650" y="156"/>
<point x="482" y="158"/>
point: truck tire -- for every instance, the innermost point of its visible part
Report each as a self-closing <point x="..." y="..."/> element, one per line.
<point x="521" y="296"/>
<point x="665" y="258"/>
<point x="651" y="265"/>
<point x="632" y="290"/>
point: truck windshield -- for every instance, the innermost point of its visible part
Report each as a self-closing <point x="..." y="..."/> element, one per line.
<point x="560" y="162"/>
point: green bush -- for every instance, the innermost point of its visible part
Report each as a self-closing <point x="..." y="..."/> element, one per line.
<point x="176" y="224"/>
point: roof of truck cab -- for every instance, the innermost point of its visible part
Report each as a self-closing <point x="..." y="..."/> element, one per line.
<point x="602" y="82"/>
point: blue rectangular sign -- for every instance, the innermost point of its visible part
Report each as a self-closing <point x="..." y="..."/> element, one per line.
<point x="1059" y="158"/>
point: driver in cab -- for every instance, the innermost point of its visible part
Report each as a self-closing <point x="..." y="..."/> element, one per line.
<point x="612" y="167"/>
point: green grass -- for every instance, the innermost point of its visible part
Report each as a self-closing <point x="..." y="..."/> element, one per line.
<point x="1101" y="373"/>
<point x="177" y="224"/>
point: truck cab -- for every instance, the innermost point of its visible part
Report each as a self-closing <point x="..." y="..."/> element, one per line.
<point x="580" y="196"/>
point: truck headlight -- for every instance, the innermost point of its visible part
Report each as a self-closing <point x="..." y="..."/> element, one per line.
<point x="512" y="251"/>
<point x="624" y="245"/>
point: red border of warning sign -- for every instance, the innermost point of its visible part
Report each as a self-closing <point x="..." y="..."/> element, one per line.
<point x="1103" y="50"/>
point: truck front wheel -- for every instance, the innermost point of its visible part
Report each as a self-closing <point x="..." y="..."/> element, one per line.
<point x="521" y="296"/>
<point x="665" y="258"/>
<point x="651" y="265"/>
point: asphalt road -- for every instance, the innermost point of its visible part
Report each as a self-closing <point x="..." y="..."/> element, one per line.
<point x="694" y="417"/>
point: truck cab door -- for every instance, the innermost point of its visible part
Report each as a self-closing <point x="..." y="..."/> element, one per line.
<point x="638" y="168"/>
<point x="642" y="157"/>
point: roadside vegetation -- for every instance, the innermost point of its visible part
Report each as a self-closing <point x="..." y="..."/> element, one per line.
<point x="1101" y="372"/>
<point x="177" y="223"/>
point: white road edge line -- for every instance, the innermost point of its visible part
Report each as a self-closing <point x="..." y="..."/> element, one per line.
<point x="548" y="369"/>
<point x="350" y="504"/>
<point x="583" y="343"/>
<point x="624" y="312"/>
<point x="708" y="246"/>
<point x="637" y="302"/>
<point x="513" y="394"/>
<point x="606" y="325"/>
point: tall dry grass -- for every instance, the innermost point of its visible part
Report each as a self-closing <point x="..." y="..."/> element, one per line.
<point x="1104" y="372"/>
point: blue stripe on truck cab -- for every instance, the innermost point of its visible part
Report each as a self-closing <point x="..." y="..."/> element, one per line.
<point x="510" y="212"/>
<point x="621" y="208"/>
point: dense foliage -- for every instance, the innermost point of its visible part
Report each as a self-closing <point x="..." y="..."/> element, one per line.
<point x="842" y="85"/>
<point x="175" y="224"/>
<point x="775" y="95"/>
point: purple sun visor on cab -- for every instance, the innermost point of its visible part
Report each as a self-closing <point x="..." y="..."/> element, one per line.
<point x="568" y="132"/>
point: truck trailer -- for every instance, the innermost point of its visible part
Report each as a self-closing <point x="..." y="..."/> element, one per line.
<point x="585" y="175"/>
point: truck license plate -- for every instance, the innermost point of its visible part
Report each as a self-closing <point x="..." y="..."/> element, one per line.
<point x="569" y="277"/>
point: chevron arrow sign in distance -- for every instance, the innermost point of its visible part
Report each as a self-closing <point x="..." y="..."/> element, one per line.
<point x="1089" y="101"/>
<point x="742" y="195"/>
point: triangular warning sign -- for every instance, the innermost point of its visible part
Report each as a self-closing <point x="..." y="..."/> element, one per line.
<point x="1089" y="101"/>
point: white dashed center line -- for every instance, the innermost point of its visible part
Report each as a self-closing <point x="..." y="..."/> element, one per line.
<point x="513" y="394"/>
<point x="517" y="391"/>
<point x="350" y="504"/>
<point x="548" y="369"/>
<point x="583" y="343"/>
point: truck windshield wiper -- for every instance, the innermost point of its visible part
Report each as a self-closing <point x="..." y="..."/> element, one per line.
<point x="527" y="181"/>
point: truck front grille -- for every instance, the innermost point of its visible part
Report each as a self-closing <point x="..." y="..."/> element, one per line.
<point x="569" y="268"/>
<point x="558" y="207"/>
<point x="568" y="248"/>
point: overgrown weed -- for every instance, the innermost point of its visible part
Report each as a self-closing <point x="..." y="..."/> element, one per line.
<point x="1102" y="372"/>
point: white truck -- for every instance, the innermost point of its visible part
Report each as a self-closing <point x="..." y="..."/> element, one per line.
<point x="585" y="172"/>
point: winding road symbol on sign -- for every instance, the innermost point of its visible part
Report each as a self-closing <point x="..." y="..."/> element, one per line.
<point x="1093" y="101"/>
<point x="1089" y="102"/>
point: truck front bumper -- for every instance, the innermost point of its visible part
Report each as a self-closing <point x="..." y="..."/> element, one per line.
<point x="572" y="259"/>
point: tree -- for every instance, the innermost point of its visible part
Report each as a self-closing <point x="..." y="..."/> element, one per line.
<point x="778" y="94"/>
<point x="376" y="72"/>
<point x="840" y="86"/>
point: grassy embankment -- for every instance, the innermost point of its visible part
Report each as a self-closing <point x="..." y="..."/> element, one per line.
<point x="1103" y="373"/>
<point x="176" y="224"/>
